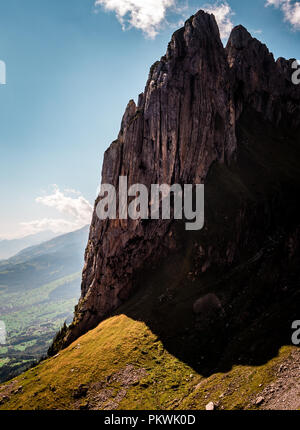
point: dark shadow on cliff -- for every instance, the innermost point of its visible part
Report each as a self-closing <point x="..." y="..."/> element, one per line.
<point x="228" y="295"/>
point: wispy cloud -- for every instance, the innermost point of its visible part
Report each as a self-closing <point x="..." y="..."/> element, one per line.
<point x="59" y="226"/>
<point x="78" y="207"/>
<point x="290" y="9"/>
<point x="150" y="15"/>
<point x="145" y="15"/>
<point x="77" y="210"/>
<point x="223" y="14"/>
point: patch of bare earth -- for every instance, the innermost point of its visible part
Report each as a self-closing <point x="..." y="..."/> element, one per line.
<point x="6" y="391"/>
<point x="108" y="394"/>
<point x="284" y="393"/>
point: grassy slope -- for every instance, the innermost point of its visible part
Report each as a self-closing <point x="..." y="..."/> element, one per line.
<point x="104" y="353"/>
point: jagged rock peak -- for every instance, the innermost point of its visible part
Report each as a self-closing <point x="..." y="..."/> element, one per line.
<point x="242" y="47"/>
<point x="258" y="80"/>
<point x="198" y="31"/>
<point x="239" y="37"/>
<point x="204" y="25"/>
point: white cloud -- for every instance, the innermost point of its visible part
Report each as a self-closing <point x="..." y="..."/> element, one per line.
<point x="290" y="9"/>
<point x="78" y="212"/>
<point x="78" y="207"/>
<point x="145" y="15"/>
<point x="59" y="226"/>
<point x="223" y="14"/>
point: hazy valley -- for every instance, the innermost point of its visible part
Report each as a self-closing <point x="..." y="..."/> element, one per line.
<point x="39" y="288"/>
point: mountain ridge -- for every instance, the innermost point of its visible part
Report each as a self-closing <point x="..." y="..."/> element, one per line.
<point x="16" y="245"/>
<point x="185" y="122"/>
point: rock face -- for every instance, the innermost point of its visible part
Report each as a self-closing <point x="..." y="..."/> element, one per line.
<point x="260" y="81"/>
<point x="198" y="101"/>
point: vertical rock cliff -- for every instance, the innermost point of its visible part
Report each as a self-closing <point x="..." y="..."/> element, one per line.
<point x="228" y="118"/>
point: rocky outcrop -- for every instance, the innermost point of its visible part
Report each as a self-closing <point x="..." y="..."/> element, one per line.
<point x="186" y="122"/>
<point x="259" y="81"/>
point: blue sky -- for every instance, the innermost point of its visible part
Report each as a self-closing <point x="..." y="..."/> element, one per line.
<point x="72" y="66"/>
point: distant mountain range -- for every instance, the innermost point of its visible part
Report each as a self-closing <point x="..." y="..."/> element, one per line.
<point x="45" y="262"/>
<point x="39" y="288"/>
<point x="9" y="248"/>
